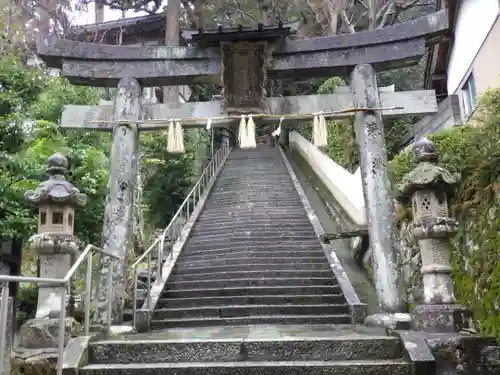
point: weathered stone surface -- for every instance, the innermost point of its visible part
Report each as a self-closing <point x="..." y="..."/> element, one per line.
<point x="34" y="361"/>
<point x="75" y="354"/>
<point x="342" y="347"/>
<point x="442" y="318"/>
<point x="376" y="189"/>
<point x="386" y="367"/>
<point x="44" y="333"/>
<point x="339" y="62"/>
<point x="398" y="104"/>
<point x="463" y="354"/>
<point x="118" y="215"/>
<point x="431" y="27"/>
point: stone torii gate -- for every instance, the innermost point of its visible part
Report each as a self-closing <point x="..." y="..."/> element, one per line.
<point x="224" y="56"/>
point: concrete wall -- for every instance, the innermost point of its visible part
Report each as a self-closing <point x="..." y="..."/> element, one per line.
<point x="344" y="186"/>
<point x="448" y="115"/>
<point x="475" y="20"/>
<point x="486" y="67"/>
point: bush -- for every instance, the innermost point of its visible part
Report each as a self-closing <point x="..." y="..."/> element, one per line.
<point x="474" y="152"/>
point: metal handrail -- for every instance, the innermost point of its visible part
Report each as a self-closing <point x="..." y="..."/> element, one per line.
<point x="64" y="283"/>
<point x="174" y="228"/>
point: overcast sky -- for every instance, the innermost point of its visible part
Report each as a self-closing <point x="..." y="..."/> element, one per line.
<point x="83" y="18"/>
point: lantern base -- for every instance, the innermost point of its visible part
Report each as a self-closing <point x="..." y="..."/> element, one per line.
<point x="442" y="318"/>
<point x="397" y="321"/>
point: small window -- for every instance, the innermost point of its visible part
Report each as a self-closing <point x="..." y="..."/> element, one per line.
<point x="43" y="218"/>
<point x="469" y="96"/>
<point x="70" y="220"/>
<point x="57" y="218"/>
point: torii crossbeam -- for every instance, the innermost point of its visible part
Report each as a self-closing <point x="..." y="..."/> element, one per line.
<point x="104" y="65"/>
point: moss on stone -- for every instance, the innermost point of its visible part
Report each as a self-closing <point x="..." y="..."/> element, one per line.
<point x="473" y="151"/>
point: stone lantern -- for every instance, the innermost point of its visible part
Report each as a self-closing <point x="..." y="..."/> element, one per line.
<point x="55" y="243"/>
<point x="428" y="187"/>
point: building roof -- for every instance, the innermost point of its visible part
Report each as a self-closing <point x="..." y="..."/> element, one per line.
<point x="439" y="54"/>
<point x="133" y="25"/>
<point x="213" y="37"/>
<point x="152" y="23"/>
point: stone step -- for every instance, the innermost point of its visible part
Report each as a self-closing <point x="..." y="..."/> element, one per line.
<point x="258" y="281"/>
<point x="256" y="192"/>
<point x="358" y="367"/>
<point x="257" y="210"/>
<point x="283" y="299"/>
<point x="314" y="348"/>
<point x="256" y="239"/>
<point x="268" y="204"/>
<point x="252" y="225"/>
<point x="269" y="248"/>
<point x="264" y="208"/>
<point x="251" y="260"/>
<point x="265" y="229"/>
<point x="263" y="266"/>
<point x="248" y="254"/>
<point x="251" y="245"/>
<point x="179" y="276"/>
<point x="241" y="311"/>
<point x="214" y="221"/>
<point x="245" y="234"/>
<point x="251" y="320"/>
<point x="251" y="291"/>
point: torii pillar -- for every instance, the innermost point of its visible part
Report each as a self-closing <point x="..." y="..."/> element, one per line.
<point x="118" y="231"/>
<point x="379" y="205"/>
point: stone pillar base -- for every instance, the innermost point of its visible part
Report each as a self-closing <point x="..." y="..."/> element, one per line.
<point x="442" y="318"/>
<point x="37" y="350"/>
<point x="397" y="321"/>
<point x="143" y="321"/>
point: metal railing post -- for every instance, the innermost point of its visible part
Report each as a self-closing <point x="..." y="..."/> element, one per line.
<point x="110" y="291"/>
<point x="62" y="331"/>
<point x="4" y="316"/>
<point x="88" y="290"/>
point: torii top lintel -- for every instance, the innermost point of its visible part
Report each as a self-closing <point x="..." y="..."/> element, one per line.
<point x="268" y="33"/>
<point x="104" y="65"/>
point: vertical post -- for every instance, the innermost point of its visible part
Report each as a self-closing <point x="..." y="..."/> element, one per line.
<point x="117" y="232"/>
<point x="379" y="204"/>
<point x="5" y="328"/>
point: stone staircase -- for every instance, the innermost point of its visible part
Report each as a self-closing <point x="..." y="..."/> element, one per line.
<point x="252" y="293"/>
<point x="263" y="350"/>
<point x="253" y="256"/>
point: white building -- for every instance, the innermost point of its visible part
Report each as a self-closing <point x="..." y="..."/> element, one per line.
<point x="464" y="65"/>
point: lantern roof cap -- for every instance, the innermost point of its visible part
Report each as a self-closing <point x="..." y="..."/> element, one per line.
<point x="427" y="175"/>
<point x="56" y="189"/>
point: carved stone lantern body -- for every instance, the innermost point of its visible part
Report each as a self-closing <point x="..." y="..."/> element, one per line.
<point x="56" y="218"/>
<point x="55" y="242"/>
<point x="428" y="187"/>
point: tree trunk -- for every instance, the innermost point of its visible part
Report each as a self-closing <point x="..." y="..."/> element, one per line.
<point x="172" y="26"/>
<point x="99" y="11"/>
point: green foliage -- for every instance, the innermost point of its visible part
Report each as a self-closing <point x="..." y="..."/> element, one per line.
<point x="342" y="146"/>
<point x="31" y="104"/>
<point x="168" y="182"/>
<point x="474" y="152"/>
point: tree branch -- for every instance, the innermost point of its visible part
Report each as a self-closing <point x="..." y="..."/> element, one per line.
<point x="345" y="21"/>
